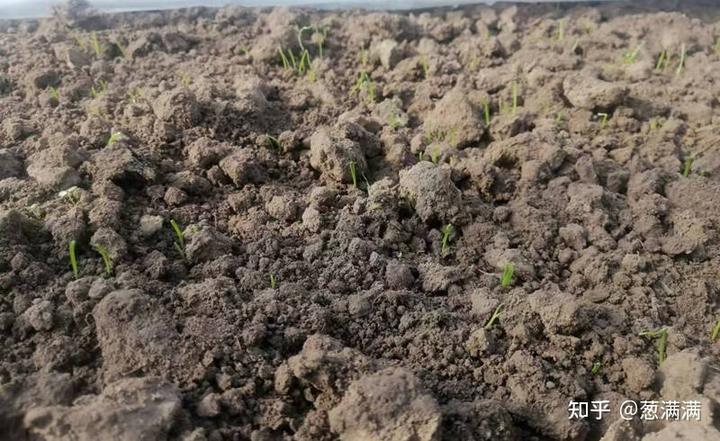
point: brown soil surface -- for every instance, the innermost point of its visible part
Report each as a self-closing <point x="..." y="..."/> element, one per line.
<point x="346" y="220"/>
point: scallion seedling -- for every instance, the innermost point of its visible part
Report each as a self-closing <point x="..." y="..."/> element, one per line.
<point x="603" y="119"/>
<point x="107" y="260"/>
<point x="687" y="165"/>
<point x="353" y="172"/>
<point x="495" y="316"/>
<point x="715" y="332"/>
<point x="681" y="64"/>
<point x="507" y="275"/>
<point x="73" y="258"/>
<point x="273" y="281"/>
<point x="447" y="232"/>
<point x="596" y="368"/>
<point x="179" y="238"/>
<point x="661" y="335"/>
<point x="486" y="112"/>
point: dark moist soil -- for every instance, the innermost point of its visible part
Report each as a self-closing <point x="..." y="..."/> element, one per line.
<point x="318" y="292"/>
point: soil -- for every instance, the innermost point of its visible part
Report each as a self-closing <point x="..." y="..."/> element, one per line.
<point x="318" y="292"/>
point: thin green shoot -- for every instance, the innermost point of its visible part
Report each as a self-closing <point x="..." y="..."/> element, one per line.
<point x="687" y="165"/>
<point x="715" y="332"/>
<point x="363" y="57"/>
<point x="514" y="97"/>
<point x="486" y="112"/>
<point x="272" y="142"/>
<point x="394" y="121"/>
<point x="284" y="59"/>
<point x="681" y="64"/>
<point x="661" y="335"/>
<point x="435" y="155"/>
<point x="273" y="281"/>
<point x="494" y="317"/>
<point x="654" y="124"/>
<point x="98" y="88"/>
<point x="575" y="45"/>
<point x="631" y="56"/>
<point x="179" y="238"/>
<point x="54" y="92"/>
<point x="447" y="233"/>
<point x="95" y="44"/>
<point x="662" y="60"/>
<point x="716" y="48"/>
<point x="107" y="260"/>
<point x="114" y="137"/>
<point x="299" y="64"/>
<point x="603" y="119"/>
<point x="134" y="95"/>
<point x="185" y="79"/>
<point x="560" y="34"/>
<point x="596" y="367"/>
<point x="364" y="85"/>
<point x="353" y="172"/>
<point x="425" y="67"/>
<point x="73" y="258"/>
<point x="123" y="50"/>
<point x="506" y="279"/>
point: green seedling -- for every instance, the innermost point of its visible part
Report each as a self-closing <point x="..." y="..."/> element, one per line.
<point x="54" y="92"/>
<point x="185" y="79"/>
<point x="36" y="211"/>
<point x="179" y="238"/>
<point x="114" y="137"/>
<point x="435" y="155"/>
<point x="353" y="172"/>
<point x="575" y="45"/>
<point x="631" y="56"/>
<point x="135" y="95"/>
<point x="681" y="64"/>
<point x="272" y="142"/>
<point x="486" y="112"/>
<point x="560" y="34"/>
<point x="495" y="316"/>
<point x="394" y="121"/>
<point x="107" y="260"/>
<point x="596" y="367"/>
<point x="603" y="119"/>
<point x="273" y="281"/>
<point x="123" y="50"/>
<point x="661" y="335"/>
<point x="425" y="67"/>
<point x="687" y="165"/>
<point x="654" y="124"/>
<point x="507" y="275"/>
<point x="716" y="48"/>
<point x="72" y="195"/>
<point x="364" y="85"/>
<point x="95" y="44"/>
<point x="447" y="232"/>
<point x="662" y="60"/>
<point x="299" y="64"/>
<point x="73" y="258"/>
<point x="363" y="57"/>
<point x="320" y="34"/>
<point x="715" y="332"/>
<point x="98" y="88"/>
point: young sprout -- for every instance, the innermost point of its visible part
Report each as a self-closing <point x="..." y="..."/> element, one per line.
<point x="272" y="142"/>
<point x="687" y="165"/>
<point x="661" y="335"/>
<point x="514" y="97"/>
<point x="715" y="332"/>
<point x="363" y="57"/>
<point x="98" y="88"/>
<point x="662" y="60"/>
<point x="575" y="45"/>
<point x="54" y="92"/>
<point x="71" y="195"/>
<point x="394" y="121"/>
<point x="560" y="34"/>
<point x="425" y="67"/>
<point x="496" y="315"/>
<point x="631" y="56"/>
<point x="123" y="50"/>
<point x="654" y="123"/>
<point x="486" y="112"/>
<point x="507" y="275"/>
<point x="435" y="155"/>
<point x="114" y="137"/>
<point x="107" y="260"/>
<point x="716" y="48"/>
<point x="353" y="172"/>
<point x="185" y="79"/>
<point x="596" y="368"/>
<point x="447" y="232"/>
<point x="273" y="281"/>
<point x="95" y="43"/>
<point x="603" y="119"/>
<point x="681" y="64"/>
<point x="179" y="238"/>
<point x="73" y="258"/>
<point x="365" y="85"/>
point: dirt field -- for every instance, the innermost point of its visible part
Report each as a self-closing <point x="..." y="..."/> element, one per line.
<point x="262" y="225"/>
